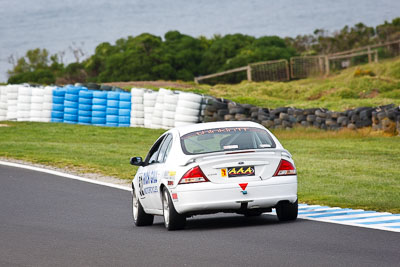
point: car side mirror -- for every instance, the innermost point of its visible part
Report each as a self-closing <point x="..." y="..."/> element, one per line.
<point x="137" y="161"/>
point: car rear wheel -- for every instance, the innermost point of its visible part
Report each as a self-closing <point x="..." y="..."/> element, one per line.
<point x="140" y="217"/>
<point x="287" y="211"/>
<point x="172" y="219"/>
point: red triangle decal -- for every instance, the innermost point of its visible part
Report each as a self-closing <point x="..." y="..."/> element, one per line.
<point x="243" y="186"/>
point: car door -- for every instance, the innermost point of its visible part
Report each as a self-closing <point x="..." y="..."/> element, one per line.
<point x="162" y="169"/>
<point x="149" y="175"/>
<point x="157" y="169"/>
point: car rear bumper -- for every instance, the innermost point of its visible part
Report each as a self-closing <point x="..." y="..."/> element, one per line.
<point x="197" y="198"/>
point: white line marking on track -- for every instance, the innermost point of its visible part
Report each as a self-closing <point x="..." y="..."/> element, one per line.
<point x="393" y="227"/>
<point x="69" y="176"/>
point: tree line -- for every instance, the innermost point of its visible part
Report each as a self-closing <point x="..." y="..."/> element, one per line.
<point x="177" y="56"/>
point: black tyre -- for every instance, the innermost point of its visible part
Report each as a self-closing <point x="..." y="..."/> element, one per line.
<point x="287" y="211"/>
<point x="140" y="217"/>
<point x="172" y="219"/>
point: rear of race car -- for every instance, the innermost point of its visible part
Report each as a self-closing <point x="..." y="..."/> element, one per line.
<point x="249" y="172"/>
<point x="236" y="184"/>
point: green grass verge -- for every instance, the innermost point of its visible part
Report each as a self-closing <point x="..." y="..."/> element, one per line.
<point x="347" y="169"/>
<point x="338" y="92"/>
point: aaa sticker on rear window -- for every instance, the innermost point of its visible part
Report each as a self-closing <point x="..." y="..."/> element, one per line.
<point x="241" y="171"/>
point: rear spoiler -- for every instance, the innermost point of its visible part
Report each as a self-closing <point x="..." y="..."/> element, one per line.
<point x="194" y="158"/>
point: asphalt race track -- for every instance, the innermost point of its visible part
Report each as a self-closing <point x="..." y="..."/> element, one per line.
<point x="46" y="220"/>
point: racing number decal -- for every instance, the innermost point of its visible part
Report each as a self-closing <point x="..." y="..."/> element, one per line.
<point x="223" y="173"/>
<point x="141" y="192"/>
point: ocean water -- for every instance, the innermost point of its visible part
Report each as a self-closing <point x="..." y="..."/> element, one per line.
<point x="60" y="25"/>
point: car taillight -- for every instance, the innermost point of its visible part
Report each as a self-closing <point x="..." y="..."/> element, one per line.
<point x="285" y="168"/>
<point x="194" y="175"/>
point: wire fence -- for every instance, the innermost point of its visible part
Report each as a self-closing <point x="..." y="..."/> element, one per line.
<point x="277" y="70"/>
<point x="308" y="66"/>
<point x="303" y="67"/>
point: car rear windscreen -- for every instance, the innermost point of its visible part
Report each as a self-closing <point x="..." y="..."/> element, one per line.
<point x="226" y="139"/>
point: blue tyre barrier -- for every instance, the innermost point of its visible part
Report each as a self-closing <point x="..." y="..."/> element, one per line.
<point x="113" y="103"/>
<point x="112" y="111"/>
<point x="86" y="94"/>
<point x="99" y="108"/>
<point x="70" y="122"/>
<point x="57" y="120"/>
<point x="100" y="94"/>
<point x="70" y="117"/>
<point x="70" y="97"/>
<point x="112" y="124"/>
<point x="84" y="119"/>
<point x="85" y="107"/>
<point x="72" y="111"/>
<point x="98" y="120"/>
<point x="86" y="101"/>
<point x="112" y="118"/>
<point x="73" y="90"/>
<point x="124" y="125"/>
<point x="125" y="97"/>
<point x="70" y="104"/>
<point x="124" y="104"/>
<point x="124" y="119"/>
<point x="124" y="112"/>
<point x="58" y="107"/>
<point x="57" y="115"/>
<point x="58" y="99"/>
<point x="99" y="101"/>
<point x="86" y="113"/>
<point x="59" y="92"/>
<point x="100" y="114"/>
<point x="113" y="95"/>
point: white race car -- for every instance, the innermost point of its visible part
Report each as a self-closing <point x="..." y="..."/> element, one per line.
<point x="237" y="167"/>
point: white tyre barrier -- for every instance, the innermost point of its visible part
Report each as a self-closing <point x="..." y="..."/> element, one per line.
<point x="37" y="104"/>
<point x="171" y="99"/>
<point x="147" y="123"/>
<point x="188" y="104"/>
<point x="137" y="106"/>
<point x="137" y="122"/>
<point x="187" y="111"/>
<point x="190" y="97"/>
<point x="137" y="100"/>
<point x="3" y="103"/>
<point x="137" y="92"/>
<point x="24" y="103"/>
<point x="12" y="101"/>
<point x="24" y="99"/>
<point x="137" y="114"/>
<point x="168" y="122"/>
<point x="158" y="112"/>
<point x="157" y="121"/>
<point x="149" y="103"/>
<point x="169" y="114"/>
<point x="47" y="103"/>
<point x="148" y="110"/>
<point x="186" y="118"/>
<point x="170" y="107"/>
